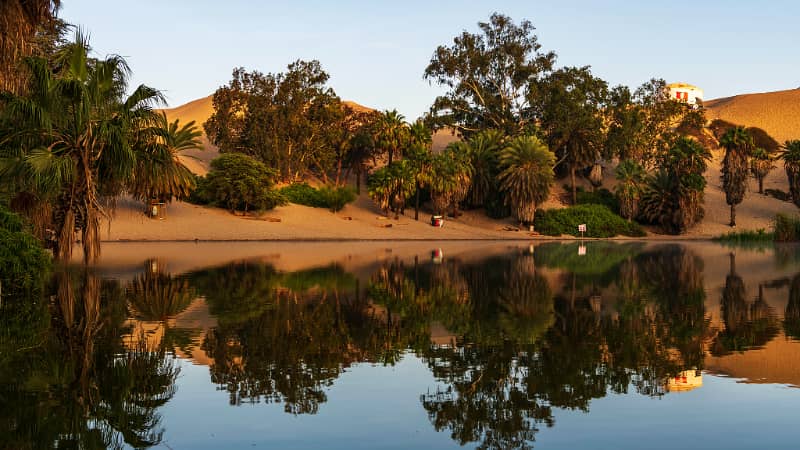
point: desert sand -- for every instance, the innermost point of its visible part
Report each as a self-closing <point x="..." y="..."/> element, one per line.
<point x="362" y="220"/>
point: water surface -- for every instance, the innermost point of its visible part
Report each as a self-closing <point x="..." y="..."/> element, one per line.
<point x="307" y="346"/>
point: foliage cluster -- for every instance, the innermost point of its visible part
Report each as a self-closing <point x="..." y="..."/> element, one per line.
<point x="23" y="261"/>
<point x="787" y="228"/>
<point x="599" y="197"/>
<point x="333" y="198"/>
<point x="600" y="222"/>
<point x="238" y="182"/>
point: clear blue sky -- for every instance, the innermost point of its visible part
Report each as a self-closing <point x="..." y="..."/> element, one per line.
<point x="377" y="50"/>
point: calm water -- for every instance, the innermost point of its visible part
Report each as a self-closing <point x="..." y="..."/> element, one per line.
<point x="555" y="346"/>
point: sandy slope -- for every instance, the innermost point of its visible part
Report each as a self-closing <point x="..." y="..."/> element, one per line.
<point x="778" y="113"/>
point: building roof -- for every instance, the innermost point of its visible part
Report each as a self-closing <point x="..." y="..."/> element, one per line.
<point x="682" y="86"/>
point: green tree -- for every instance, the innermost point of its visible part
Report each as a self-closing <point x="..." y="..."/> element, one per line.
<point x="527" y="175"/>
<point x="572" y="119"/>
<point x="448" y="178"/>
<point x="631" y="181"/>
<point x="484" y="150"/>
<point x="159" y="173"/>
<point x="291" y="121"/>
<point x="791" y="163"/>
<point x="240" y="183"/>
<point x="738" y="145"/>
<point x="673" y="197"/>
<point x="489" y="77"/>
<point x="391" y="186"/>
<point x="75" y="139"/>
<point x="393" y="134"/>
<point x="760" y="166"/>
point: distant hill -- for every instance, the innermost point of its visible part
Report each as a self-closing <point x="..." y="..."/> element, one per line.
<point x="778" y="113"/>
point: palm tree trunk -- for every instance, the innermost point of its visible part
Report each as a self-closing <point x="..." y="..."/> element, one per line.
<point x="760" y="185"/>
<point x="416" y="203"/>
<point x="574" y="190"/>
<point x="358" y="182"/>
<point x="733" y="215"/>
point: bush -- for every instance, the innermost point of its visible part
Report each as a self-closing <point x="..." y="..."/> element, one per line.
<point x="600" y="222"/>
<point x="303" y="194"/>
<point x="599" y="197"/>
<point x="333" y="198"/>
<point x="337" y="197"/>
<point x="23" y="261"/>
<point x="787" y="229"/>
<point x="238" y="182"/>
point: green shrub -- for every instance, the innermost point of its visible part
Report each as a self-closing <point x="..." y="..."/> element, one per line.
<point x="23" y="261"/>
<point x="337" y="197"/>
<point x="599" y="197"/>
<point x="333" y="198"/>
<point x="787" y="228"/>
<point x="600" y="222"/>
<point x="303" y="194"/>
<point x="746" y="236"/>
<point x="238" y="182"/>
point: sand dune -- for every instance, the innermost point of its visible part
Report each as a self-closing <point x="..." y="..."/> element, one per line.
<point x="778" y="113"/>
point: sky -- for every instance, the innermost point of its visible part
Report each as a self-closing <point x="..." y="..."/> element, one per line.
<point x="376" y="51"/>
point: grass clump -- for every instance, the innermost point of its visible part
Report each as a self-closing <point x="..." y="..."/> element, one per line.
<point x="787" y="228"/>
<point x="600" y="222"/>
<point x="746" y="236"/>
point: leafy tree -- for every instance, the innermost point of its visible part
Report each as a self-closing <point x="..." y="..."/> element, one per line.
<point x="392" y="185"/>
<point x="75" y="139"/>
<point x="791" y="163"/>
<point x="527" y="175"/>
<point x="240" y="183"/>
<point x="448" y="178"/>
<point x="760" y="166"/>
<point x="631" y="181"/>
<point x="738" y="145"/>
<point x="159" y="174"/>
<point x="419" y="157"/>
<point x="572" y="120"/>
<point x="489" y="77"/>
<point x="673" y="197"/>
<point x="290" y="121"/>
<point x="484" y="150"/>
<point x="393" y="134"/>
<point x="361" y="150"/>
<point x="23" y="262"/>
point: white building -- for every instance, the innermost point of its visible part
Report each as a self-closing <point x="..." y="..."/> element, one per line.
<point x="685" y="92"/>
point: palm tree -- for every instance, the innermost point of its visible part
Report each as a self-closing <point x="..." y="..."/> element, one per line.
<point x="159" y="173"/>
<point x="659" y="202"/>
<point x="19" y="22"/>
<point x="391" y="186"/>
<point x="77" y="133"/>
<point x="631" y="177"/>
<point x="791" y="162"/>
<point x="484" y="148"/>
<point x="392" y="134"/>
<point x="419" y="158"/>
<point x="738" y="144"/>
<point x="420" y="134"/>
<point x="760" y="166"/>
<point x="448" y="178"/>
<point x="527" y="175"/>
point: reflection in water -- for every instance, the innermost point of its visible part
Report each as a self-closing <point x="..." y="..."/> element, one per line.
<point x="74" y="385"/>
<point x="509" y="339"/>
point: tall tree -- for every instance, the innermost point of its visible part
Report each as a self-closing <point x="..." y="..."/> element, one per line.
<point x="527" y="175"/>
<point x="571" y="110"/>
<point x="20" y="20"/>
<point x="760" y="166"/>
<point x="738" y="145"/>
<point x="393" y="134"/>
<point x="76" y="134"/>
<point x="791" y="163"/>
<point x="159" y="173"/>
<point x="631" y="183"/>
<point x="489" y="77"/>
<point x="288" y="120"/>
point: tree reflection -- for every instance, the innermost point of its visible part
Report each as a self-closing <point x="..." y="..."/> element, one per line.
<point x="79" y="387"/>
<point x="791" y="321"/>
<point x="747" y="325"/>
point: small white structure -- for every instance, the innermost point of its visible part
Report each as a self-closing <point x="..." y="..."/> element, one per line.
<point x="685" y="92"/>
